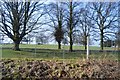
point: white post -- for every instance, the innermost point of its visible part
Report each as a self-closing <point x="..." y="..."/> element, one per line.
<point x="35" y="42"/>
<point x="35" y="46"/>
<point x="87" y="46"/>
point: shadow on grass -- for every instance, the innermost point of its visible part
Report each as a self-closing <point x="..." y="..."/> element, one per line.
<point x="59" y="54"/>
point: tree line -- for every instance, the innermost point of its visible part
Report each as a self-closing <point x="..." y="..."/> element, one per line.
<point x="72" y="21"/>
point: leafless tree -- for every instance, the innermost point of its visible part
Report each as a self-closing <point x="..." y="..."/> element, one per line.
<point x="105" y="18"/>
<point x="85" y="24"/>
<point x="72" y="15"/>
<point x="56" y="17"/>
<point x="118" y="33"/>
<point x="19" y="19"/>
<point x="118" y="39"/>
<point x="41" y="38"/>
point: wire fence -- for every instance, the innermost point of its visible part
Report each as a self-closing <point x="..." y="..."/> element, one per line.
<point x="61" y="54"/>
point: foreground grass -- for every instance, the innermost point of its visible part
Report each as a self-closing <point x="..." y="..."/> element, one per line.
<point x="55" y="54"/>
<point x="51" y="52"/>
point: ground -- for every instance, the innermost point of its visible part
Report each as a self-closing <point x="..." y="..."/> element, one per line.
<point x="32" y="69"/>
<point x="51" y="51"/>
<point x="46" y="61"/>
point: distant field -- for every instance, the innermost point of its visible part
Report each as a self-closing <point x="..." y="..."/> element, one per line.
<point x="51" y="52"/>
<point x="55" y="54"/>
<point x="48" y="46"/>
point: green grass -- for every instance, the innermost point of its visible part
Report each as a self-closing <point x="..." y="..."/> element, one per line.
<point x="43" y="53"/>
<point x="48" y="46"/>
<point x="51" y="52"/>
<point x="8" y="53"/>
<point x="55" y="54"/>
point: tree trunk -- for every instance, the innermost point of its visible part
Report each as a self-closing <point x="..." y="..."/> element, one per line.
<point x="118" y="40"/>
<point x="71" y="49"/>
<point x="71" y="27"/>
<point x="101" y="43"/>
<point x="85" y="45"/>
<point x="71" y="43"/>
<point x="16" y="46"/>
<point x="59" y="45"/>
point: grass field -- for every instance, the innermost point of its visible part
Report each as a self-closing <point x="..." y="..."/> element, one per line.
<point x="48" y="46"/>
<point x="51" y="52"/>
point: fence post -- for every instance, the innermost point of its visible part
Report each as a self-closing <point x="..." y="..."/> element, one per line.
<point x="87" y="46"/>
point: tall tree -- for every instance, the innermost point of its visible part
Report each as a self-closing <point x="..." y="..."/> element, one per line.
<point x="85" y="24"/>
<point x="19" y="18"/>
<point x="118" y="39"/>
<point x="105" y="17"/>
<point x="72" y="14"/>
<point x="59" y="35"/>
<point x="118" y="33"/>
<point x="1" y="38"/>
<point x="55" y="13"/>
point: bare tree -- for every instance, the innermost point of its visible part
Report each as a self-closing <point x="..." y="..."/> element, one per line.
<point x="118" y="33"/>
<point x="117" y="41"/>
<point x="72" y="18"/>
<point x="105" y="17"/>
<point x="19" y="19"/>
<point x="1" y="38"/>
<point x="28" y="38"/>
<point x="85" y="24"/>
<point x="55" y="12"/>
<point x="41" y="38"/>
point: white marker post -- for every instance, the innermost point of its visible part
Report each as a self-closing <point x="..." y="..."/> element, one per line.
<point x="87" y="47"/>
<point x="35" y="42"/>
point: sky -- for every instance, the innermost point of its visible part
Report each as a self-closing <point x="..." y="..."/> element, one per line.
<point x="83" y="0"/>
<point x="6" y="40"/>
